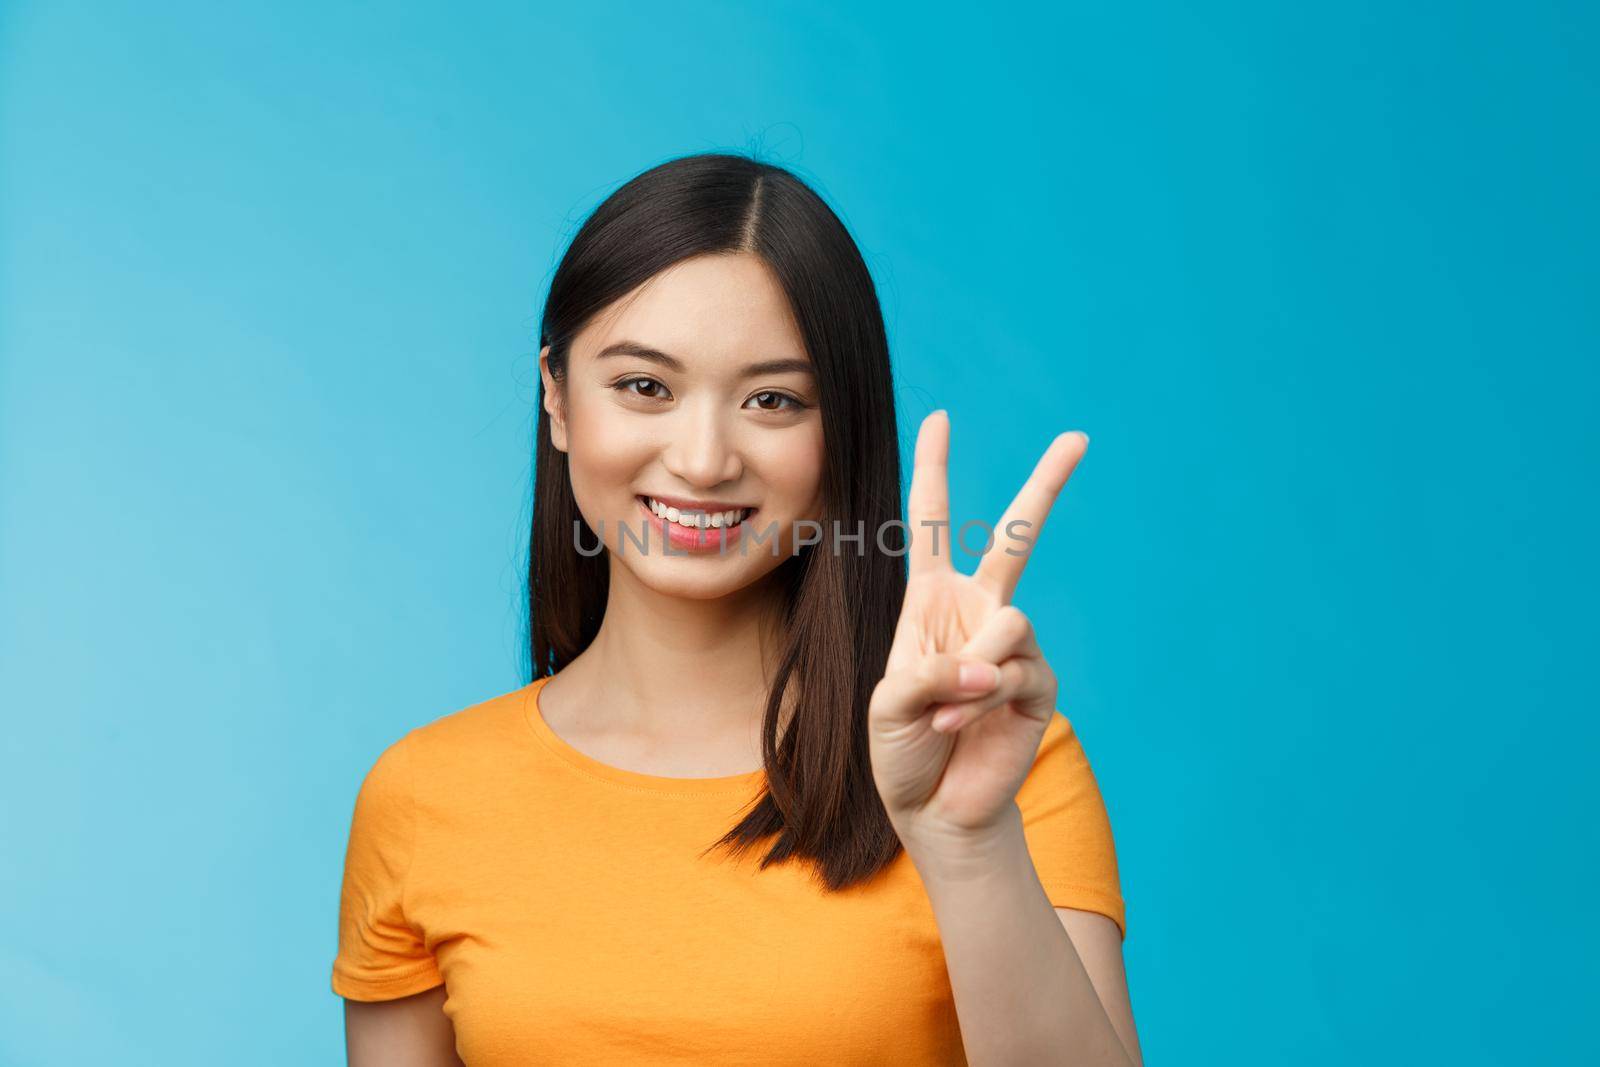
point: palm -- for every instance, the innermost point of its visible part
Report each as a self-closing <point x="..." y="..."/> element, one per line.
<point x="962" y="781"/>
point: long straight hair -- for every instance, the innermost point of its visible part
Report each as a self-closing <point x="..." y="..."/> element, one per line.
<point x="840" y="607"/>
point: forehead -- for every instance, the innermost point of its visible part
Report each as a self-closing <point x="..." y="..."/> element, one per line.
<point x="714" y="307"/>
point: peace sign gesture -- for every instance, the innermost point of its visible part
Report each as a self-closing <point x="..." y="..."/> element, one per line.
<point x="955" y="723"/>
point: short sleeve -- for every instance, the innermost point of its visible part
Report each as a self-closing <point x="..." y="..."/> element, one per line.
<point x="1067" y="829"/>
<point x="382" y="953"/>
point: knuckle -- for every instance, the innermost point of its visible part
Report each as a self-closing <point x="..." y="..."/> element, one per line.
<point x="1021" y="678"/>
<point x="1048" y="685"/>
<point x="930" y="671"/>
<point x="1015" y="622"/>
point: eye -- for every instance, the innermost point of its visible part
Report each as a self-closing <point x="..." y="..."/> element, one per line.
<point x="772" y="400"/>
<point x="653" y="390"/>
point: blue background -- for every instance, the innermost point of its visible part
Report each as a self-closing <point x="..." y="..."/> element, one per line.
<point x="1320" y="285"/>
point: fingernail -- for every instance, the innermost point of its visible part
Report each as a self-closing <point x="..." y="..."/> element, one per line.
<point x="945" y="719"/>
<point x="978" y="676"/>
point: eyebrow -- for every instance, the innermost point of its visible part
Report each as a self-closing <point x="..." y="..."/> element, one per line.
<point x="655" y="355"/>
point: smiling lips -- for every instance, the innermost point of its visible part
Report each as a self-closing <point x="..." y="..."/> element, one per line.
<point x="709" y="526"/>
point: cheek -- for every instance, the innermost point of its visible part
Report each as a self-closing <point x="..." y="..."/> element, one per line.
<point x="791" y="467"/>
<point x="603" y="458"/>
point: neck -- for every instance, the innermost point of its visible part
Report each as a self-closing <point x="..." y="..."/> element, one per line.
<point x="663" y="666"/>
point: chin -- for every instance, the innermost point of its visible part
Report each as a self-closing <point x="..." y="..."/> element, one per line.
<point x="693" y="579"/>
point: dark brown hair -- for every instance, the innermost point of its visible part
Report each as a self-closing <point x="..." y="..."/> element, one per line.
<point x="840" y="606"/>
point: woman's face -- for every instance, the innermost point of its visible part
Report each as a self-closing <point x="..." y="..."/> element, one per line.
<point x="694" y="391"/>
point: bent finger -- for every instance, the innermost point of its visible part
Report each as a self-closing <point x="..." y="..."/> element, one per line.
<point x="1027" y="683"/>
<point x="1006" y="633"/>
<point x="903" y="696"/>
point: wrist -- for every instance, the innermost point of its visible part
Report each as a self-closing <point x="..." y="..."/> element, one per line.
<point x="948" y="855"/>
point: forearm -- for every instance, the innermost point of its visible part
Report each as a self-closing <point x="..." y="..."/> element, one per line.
<point x="1022" y="994"/>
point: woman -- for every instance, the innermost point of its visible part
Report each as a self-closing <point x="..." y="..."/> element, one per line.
<point x="766" y="801"/>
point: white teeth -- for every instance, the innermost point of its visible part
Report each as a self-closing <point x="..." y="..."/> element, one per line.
<point x="698" y="520"/>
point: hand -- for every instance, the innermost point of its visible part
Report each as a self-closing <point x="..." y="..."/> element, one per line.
<point x="948" y="758"/>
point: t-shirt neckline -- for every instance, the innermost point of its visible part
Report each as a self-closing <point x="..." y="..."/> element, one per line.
<point x="655" y="783"/>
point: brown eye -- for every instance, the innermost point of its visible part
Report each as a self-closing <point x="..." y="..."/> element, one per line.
<point x="650" y="389"/>
<point x="770" y="400"/>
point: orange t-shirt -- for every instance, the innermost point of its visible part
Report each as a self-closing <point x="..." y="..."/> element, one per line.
<point x="566" y="908"/>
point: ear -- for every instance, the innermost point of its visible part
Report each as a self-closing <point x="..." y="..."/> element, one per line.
<point x="552" y="402"/>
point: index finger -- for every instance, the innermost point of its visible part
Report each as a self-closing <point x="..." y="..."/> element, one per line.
<point x="1001" y="567"/>
<point x="928" y="504"/>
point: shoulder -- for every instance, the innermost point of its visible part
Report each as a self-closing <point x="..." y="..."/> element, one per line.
<point x="474" y="723"/>
<point x="454" y="743"/>
<point x="1060" y="754"/>
<point x="462" y="739"/>
<point x="1061" y="785"/>
<point x="441" y="771"/>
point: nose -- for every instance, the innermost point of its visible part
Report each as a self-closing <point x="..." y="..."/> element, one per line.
<point x="701" y="448"/>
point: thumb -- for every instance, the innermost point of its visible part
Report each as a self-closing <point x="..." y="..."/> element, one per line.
<point x="902" y="696"/>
